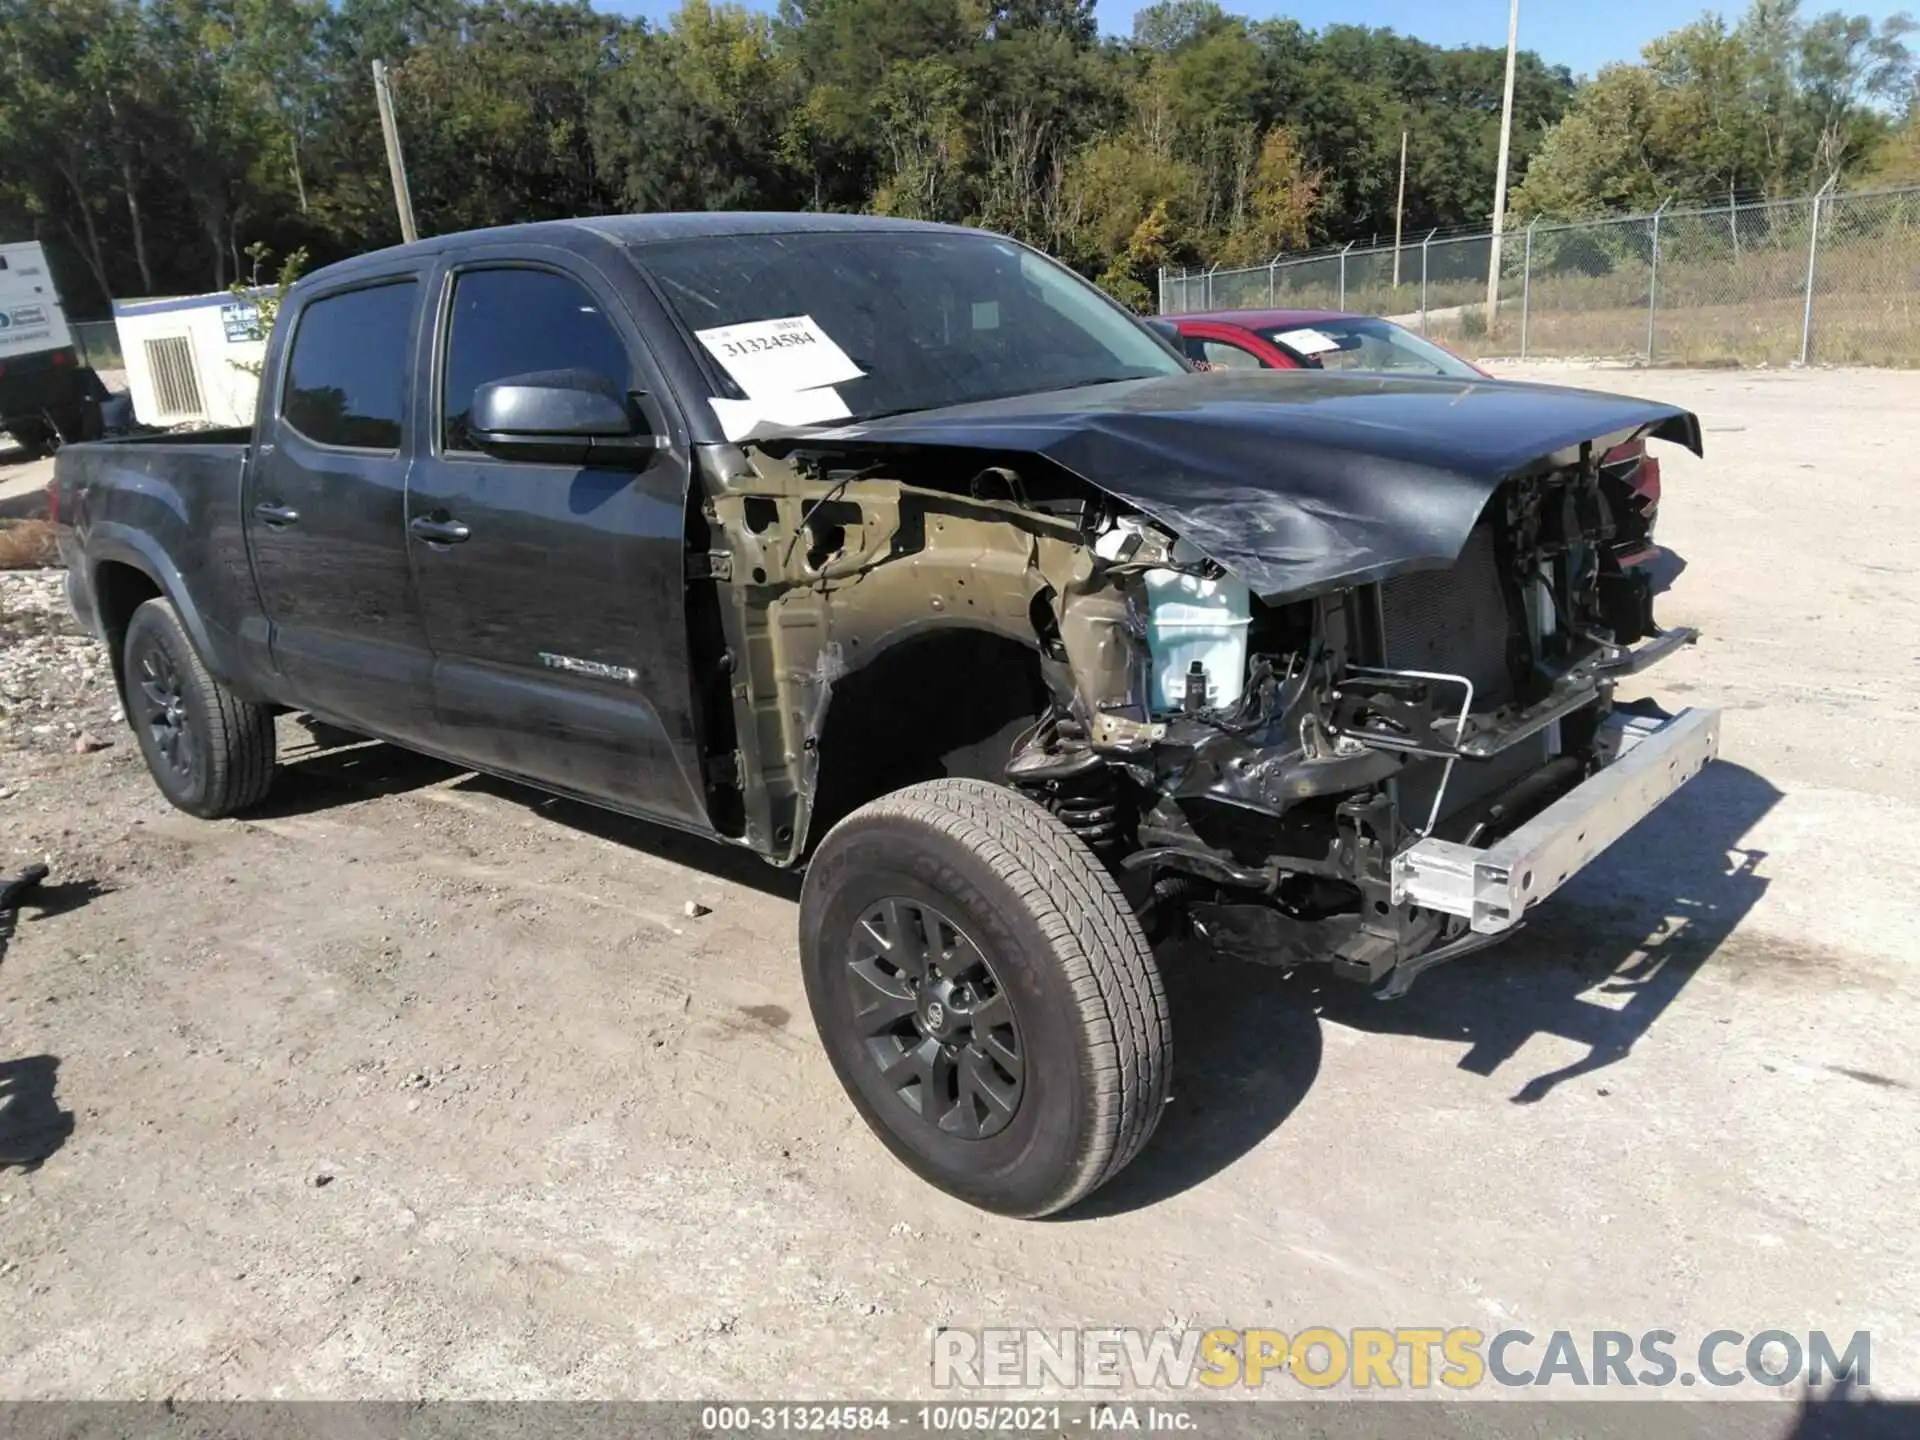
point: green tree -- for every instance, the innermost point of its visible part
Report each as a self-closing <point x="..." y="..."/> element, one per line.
<point x="1283" y="203"/>
<point x="700" y="116"/>
<point x="919" y="111"/>
<point x="845" y="50"/>
<point x="497" y="115"/>
<point x="1034" y="98"/>
<point x="1072" y="20"/>
<point x="221" y="133"/>
<point x="1170" y="25"/>
<point x="1773" y="104"/>
<point x="51" y="118"/>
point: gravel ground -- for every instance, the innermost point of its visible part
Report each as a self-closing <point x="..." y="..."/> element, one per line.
<point x="56" y="691"/>
<point x="419" y="1083"/>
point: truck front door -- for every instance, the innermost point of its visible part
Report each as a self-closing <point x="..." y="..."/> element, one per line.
<point x="554" y="595"/>
<point x="324" y="513"/>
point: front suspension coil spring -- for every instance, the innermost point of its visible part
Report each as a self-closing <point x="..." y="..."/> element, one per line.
<point x="1090" y="806"/>
<point x="1090" y="802"/>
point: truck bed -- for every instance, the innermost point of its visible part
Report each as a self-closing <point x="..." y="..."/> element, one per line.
<point x="221" y="437"/>
<point x="167" y="505"/>
<point x="194" y="460"/>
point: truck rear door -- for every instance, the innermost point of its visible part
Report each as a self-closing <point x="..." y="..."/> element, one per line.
<point x="325" y="510"/>
<point x="554" y="595"/>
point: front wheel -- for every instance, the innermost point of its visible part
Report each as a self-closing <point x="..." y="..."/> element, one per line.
<point x="209" y="751"/>
<point x="985" y="995"/>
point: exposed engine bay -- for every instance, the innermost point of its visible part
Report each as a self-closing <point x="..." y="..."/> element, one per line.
<point x="1321" y="778"/>
<point x="1451" y="704"/>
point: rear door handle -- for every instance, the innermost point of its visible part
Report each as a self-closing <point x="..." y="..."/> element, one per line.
<point x="440" y="532"/>
<point x="277" y="515"/>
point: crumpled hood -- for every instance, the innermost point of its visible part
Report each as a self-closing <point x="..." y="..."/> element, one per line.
<point x="1298" y="482"/>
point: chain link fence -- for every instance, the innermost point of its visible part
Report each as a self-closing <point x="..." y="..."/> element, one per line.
<point x="1828" y="278"/>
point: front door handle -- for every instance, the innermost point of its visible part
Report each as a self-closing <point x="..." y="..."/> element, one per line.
<point x="277" y="515"/>
<point x="440" y="532"/>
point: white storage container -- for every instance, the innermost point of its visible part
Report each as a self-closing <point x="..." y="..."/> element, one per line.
<point x="193" y="359"/>
<point x="1189" y="619"/>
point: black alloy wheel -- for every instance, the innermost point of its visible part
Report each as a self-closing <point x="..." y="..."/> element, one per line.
<point x="160" y="705"/>
<point x="934" y="1018"/>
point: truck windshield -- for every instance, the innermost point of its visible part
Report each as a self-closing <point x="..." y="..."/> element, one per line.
<point x="896" y="320"/>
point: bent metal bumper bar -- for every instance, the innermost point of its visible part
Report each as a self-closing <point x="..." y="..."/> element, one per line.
<point x="1493" y="888"/>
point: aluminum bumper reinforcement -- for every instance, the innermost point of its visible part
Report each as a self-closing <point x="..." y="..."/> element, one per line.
<point x="1492" y="888"/>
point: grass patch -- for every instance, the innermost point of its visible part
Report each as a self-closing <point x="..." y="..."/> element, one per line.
<point x="27" y="545"/>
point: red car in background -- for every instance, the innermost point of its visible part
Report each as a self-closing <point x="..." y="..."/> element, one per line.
<point x="1330" y="340"/>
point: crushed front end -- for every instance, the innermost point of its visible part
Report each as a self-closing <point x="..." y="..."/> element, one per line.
<point x="1398" y="770"/>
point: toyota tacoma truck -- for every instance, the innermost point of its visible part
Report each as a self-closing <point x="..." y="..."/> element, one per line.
<point x="900" y="552"/>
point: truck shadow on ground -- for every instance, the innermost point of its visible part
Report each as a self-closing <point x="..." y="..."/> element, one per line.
<point x="1603" y="959"/>
<point x="1598" y="967"/>
<point x="732" y="863"/>
<point x="32" y="1124"/>
<point x="1247" y="1048"/>
<point x="341" y="767"/>
<point x="1848" y="1412"/>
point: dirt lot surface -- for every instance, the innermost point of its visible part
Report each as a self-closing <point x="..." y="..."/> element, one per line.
<point x="419" y="1083"/>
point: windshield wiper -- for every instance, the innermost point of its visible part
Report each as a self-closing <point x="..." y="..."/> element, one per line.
<point x="1089" y="384"/>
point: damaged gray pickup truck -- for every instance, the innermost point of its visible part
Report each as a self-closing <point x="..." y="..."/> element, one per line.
<point x="901" y="552"/>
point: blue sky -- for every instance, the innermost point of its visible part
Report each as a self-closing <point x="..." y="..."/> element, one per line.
<point x="1580" y="34"/>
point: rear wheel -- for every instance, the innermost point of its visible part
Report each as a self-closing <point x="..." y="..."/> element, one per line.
<point x="985" y="995"/>
<point x="209" y="751"/>
<point x="36" y="437"/>
<point x="78" y="422"/>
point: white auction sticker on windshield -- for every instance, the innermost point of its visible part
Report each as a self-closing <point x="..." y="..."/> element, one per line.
<point x="778" y="357"/>
<point x="1307" y="342"/>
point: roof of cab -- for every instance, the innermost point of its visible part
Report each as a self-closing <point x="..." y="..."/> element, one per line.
<point x="633" y="230"/>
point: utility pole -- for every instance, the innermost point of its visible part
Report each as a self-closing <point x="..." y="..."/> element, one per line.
<point x="1399" y="210"/>
<point x="1500" y="180"/>
<point x="396" y="162"/>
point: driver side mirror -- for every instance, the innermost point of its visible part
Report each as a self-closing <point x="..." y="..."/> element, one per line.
<point x="569" y="417"/>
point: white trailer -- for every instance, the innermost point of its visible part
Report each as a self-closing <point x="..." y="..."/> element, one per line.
<point x="44" y="389"/>
<point x="31" y="319"/>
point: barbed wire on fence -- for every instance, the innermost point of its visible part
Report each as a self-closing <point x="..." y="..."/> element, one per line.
<point x="1829" y="278"/>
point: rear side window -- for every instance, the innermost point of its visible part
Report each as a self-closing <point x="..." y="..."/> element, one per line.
<point x="510" y="322"/>
<point x="347" y="375"/>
